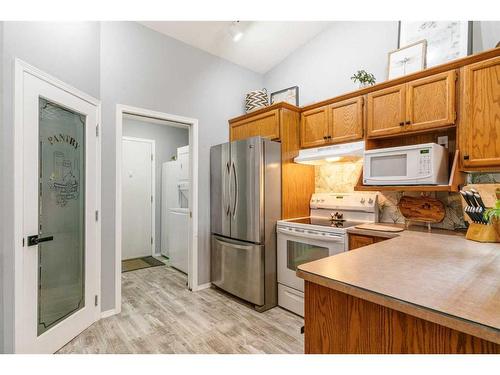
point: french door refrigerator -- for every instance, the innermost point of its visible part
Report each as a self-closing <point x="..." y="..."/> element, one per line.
<point x="245" y="203"/>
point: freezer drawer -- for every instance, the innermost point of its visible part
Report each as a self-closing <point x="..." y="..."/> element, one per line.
<point x="238" y="268"/>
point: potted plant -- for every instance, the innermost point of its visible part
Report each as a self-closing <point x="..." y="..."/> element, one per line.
<point x="363" y="78"/>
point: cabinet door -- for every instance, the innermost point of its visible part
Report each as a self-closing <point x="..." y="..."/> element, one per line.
<point x="430" y="102"/>
<point x="358" y="240"/>
<point x="346" y="120"/>
<point x="314" y="127"/>
<point x="265" y="124"/>
<point x="386" y="111"/>
<point x="480" y="135"/>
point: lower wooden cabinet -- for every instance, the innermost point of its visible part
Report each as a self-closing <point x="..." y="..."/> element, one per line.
<point x="359" y="240"/>
<point x="338" y="323"/>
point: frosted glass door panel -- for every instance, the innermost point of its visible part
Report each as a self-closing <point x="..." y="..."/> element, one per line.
<point x="61" y="210"/>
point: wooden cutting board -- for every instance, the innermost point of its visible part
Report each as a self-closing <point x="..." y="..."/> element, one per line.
<point x="429" y="210"/>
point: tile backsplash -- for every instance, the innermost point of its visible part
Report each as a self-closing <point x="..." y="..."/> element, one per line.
<point x="342" y="177"/>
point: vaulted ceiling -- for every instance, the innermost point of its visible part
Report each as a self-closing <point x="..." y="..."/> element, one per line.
<point x="263" y="44"/>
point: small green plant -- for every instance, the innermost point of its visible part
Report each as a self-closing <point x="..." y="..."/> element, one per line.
<point x="363" y="77"/>
<point x="492" y="213"/>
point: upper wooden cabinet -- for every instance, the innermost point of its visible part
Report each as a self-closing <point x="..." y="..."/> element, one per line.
<point x="314" y="127"/>
<point x="386" y="111"/>
<point x="430" y="101"/>
<point x="479" y="136"/>
<point x="265" y="124"/>
<point x="419" y="105"/>
<point x="335" y="123"/>
<point x="346" y="120"/>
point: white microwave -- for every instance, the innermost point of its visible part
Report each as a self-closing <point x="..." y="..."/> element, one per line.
<point x="424" y="164"/>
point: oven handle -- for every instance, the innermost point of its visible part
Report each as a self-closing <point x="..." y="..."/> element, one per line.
<point x="307" y="234"/>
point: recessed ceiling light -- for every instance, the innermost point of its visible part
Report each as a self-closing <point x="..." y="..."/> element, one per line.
<point x="235" y="31"/>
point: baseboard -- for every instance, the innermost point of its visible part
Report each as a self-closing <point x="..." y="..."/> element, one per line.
<point x="202" y="286"/>
<point x="108" y="313"/>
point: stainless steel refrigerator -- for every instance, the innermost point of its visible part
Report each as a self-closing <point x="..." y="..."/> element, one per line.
<point x="245" y="203"/>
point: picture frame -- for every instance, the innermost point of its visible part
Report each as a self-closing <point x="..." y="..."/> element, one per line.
<point x="289" y="95"/>
<point x="446" y="40"/>
<point x="407" y="60"/>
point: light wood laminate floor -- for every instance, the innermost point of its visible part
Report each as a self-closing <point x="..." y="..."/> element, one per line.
<point x="159" y="315"/>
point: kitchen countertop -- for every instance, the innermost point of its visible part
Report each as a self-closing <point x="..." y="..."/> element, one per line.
<point x="442" y="278"/>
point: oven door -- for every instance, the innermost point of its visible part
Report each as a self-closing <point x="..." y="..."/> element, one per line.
<point x="297" y="246"/>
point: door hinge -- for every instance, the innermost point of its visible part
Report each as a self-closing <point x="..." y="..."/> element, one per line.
<point x="152" y="157"/>
<point x="151" y="199"/>
<point x="455" y="118"/>
<point x="96" y="215"/>
<point x="190" y="214"/>
<point x="97" y="130"/>
<point x="96" y="300"/>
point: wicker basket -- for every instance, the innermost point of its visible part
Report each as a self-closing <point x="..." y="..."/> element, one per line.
<point x="256" y="99"/>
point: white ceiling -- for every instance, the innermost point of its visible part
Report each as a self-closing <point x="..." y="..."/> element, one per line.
<point x="264" y="43"/>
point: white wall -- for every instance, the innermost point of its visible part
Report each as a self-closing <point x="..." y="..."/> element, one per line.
<point x="322" y="67"/>
<point x="167" y="140"/>
<point x="68" y="51"/>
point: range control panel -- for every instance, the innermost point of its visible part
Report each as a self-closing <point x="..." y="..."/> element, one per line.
<point x="344" y="201"/>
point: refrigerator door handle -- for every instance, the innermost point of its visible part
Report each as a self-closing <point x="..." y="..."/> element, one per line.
<point x="227" y="193"/>
<point x="235" y="206"/>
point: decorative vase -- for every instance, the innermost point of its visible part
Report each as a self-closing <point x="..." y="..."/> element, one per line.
<point x="256" y="99"/>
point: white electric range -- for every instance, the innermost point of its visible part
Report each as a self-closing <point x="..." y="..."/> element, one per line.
<point x="320" y="235"/>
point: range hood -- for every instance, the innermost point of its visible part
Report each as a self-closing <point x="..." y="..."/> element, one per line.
<point x="322" y="155"/>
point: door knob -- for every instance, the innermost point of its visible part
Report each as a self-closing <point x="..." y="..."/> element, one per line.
<point x="35" y="239"/>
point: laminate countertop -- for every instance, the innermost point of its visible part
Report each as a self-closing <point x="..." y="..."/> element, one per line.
<point x="442" y="278"/>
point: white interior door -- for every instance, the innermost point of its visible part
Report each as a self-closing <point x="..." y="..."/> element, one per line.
<point x="60" y="257"/>
<point x="138" y="198"/>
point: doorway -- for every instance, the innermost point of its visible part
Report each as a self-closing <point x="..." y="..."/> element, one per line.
<point x="57" y="198"/>
<point x="170" y="223"/>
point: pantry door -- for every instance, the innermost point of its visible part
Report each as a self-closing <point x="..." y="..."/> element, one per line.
<point x="61" y="251"/>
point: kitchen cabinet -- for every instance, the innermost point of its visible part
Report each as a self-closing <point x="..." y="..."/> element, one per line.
<point x="280" y="122"/>
<point x="386" y="111"/>
<point x="430" y="102"/>
<point x="346" y="120"/>
<point x="419" y="105"/>
<point x="265" y="124"/>
<point x="336" y="123"/>
<point x="314" y="127"/>
<point x="479" y="133"/>
<point x="360" y="240"/>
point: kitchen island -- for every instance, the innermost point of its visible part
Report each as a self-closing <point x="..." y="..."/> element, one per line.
<point x="415" y="293"/>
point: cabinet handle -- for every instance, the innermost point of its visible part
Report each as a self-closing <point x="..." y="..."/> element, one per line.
<point x="408" y="122"/>
<point x="325" y="137"/>
<point x="401" y="123"/>
<point x="329" y="137"/>
<point x="466" y="157"/>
